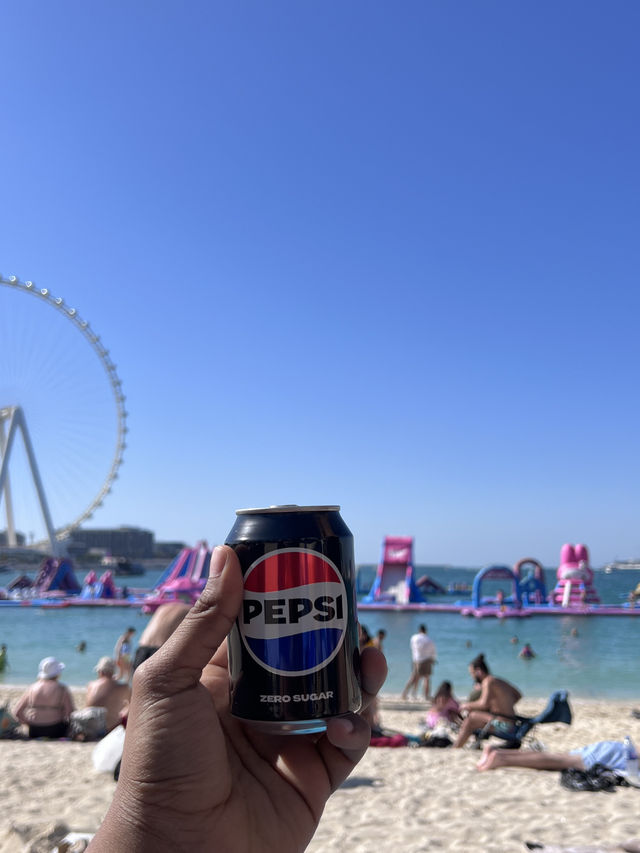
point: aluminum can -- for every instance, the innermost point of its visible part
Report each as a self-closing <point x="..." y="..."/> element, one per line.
<point x="294" y="658"/>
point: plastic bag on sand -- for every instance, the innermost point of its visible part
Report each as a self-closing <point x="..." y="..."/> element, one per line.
<point x="108" y="752"/>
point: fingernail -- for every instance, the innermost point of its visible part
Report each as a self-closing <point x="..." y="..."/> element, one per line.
<point x="218" y="561"/>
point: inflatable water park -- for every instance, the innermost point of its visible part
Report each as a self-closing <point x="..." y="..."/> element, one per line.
<point x="183" y="580"/>
<point x="56" y="585"/>
<point x="396" y="588"/>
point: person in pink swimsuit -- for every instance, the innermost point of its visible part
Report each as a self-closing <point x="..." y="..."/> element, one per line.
<point x="445" y="707"/>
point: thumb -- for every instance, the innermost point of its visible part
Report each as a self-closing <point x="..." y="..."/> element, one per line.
<point x="185" y="654"/>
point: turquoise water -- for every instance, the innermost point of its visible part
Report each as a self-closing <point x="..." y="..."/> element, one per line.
<point x="601" y="661"/>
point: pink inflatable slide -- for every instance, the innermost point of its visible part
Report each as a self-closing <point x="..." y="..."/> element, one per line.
<point x="575" y="578"/>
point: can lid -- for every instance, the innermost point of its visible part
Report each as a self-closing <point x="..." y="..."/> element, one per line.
<point x="280" y="508"/>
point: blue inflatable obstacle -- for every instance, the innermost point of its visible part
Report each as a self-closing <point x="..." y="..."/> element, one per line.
<point x="56" y="576"/>
<point x="98" y="588"/>
<point x="526" y="589"/>
<point x="496" y="573"/>
<point x="530" y="574"/>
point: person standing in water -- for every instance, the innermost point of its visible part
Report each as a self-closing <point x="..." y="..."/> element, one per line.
<point x="123" y="654"/>
<point x="423" y="656"/>
<point x="527" y="652"/>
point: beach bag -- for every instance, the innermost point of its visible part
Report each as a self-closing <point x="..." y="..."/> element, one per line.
<point x="8" y="723"/>
<point x="88" y="723"/>
<point x="598" y="778"/>
<point x="437" y="741"/>
<point x="108" y="752"/>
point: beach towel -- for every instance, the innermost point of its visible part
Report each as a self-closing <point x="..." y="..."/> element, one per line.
<point x="390" y="740"/>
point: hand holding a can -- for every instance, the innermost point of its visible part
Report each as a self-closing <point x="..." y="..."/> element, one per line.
<point x="194" y="777"/>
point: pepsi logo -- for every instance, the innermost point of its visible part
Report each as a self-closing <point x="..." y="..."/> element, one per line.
<point x="295" y="611"/>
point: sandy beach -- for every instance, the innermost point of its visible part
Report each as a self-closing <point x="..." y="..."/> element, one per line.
<point x="407" y="799"/>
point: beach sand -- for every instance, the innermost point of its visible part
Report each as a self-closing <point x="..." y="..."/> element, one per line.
<point x="403" y="799"/>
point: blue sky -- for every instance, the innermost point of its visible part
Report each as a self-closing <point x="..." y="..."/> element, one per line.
<point x="377" y="255"/>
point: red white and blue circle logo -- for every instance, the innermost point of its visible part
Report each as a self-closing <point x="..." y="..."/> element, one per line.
<point x="295" y="611"/>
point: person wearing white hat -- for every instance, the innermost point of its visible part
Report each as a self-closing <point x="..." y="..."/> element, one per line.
<point x="46" y="706"/>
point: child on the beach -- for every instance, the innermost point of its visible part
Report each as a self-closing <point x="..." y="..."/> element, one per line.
<point x="445" y="707"/>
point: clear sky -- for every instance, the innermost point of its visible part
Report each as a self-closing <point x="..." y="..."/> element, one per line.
<point x="380" y="255"/>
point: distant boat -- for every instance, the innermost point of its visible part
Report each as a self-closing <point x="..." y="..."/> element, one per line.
<point x="622" y="566"/>
<point x="121" y="567"/>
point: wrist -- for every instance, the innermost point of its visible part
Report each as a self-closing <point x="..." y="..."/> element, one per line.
<point x="135" y="826"/>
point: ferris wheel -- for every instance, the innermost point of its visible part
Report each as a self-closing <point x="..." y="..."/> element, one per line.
<point x="62" y="416"/>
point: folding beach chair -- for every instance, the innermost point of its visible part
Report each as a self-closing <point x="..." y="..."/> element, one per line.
<point x="557" y="710"/>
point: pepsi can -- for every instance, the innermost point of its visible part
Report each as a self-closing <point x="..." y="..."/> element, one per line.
<point x="293" y="651"/>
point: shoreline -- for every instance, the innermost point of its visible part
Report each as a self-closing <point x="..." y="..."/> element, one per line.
<point x="412" y="799"/>
<point x="391" y="698"/>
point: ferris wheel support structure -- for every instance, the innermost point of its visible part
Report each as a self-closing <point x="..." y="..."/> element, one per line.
<point x="17" y="421"/>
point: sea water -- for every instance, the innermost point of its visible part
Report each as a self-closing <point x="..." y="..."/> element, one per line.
<point x="590" y="656"/>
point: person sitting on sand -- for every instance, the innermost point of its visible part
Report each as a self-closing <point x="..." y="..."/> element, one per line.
<point x="445" y="708"/>
<point x="609" y="753"/>
<point x="494" y="706"/>
<point x="46" y="706"/>
<point x="159" y="628"/>
<point x="108" y="693"/>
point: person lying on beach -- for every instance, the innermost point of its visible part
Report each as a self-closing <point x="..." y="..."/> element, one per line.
<point x="445" y="708"/>
<point x="495" y="705"/>
<point x="107" y="692"/>
<point x="159" y="628"/>
<point x="195" y="778"/>
<point x="46" y="705"/>
<point x="609" y="753"/>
